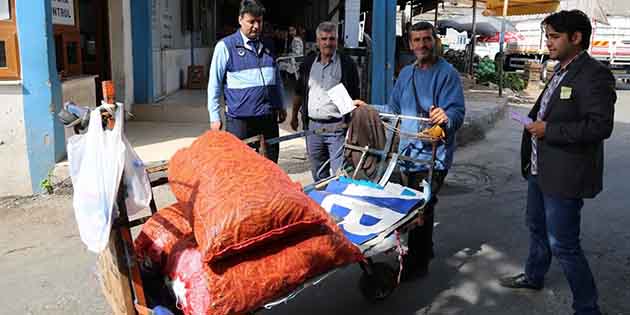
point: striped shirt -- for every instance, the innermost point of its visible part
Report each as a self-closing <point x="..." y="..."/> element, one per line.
<point x="559" y="74"/>
<point x="322" y="78"/>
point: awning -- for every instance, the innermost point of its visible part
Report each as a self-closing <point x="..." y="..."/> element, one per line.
<point x="509" y="37"/>
<point x="520" y="7"/>
<point x="485" y="25"/>
<point x="593" y="8"/>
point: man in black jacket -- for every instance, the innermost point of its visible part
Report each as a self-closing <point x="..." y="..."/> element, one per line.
<point x="318" y="74"/>
<point x="562" y="157"/>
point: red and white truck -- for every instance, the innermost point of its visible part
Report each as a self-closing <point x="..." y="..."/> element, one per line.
<point x="609" y="43"/>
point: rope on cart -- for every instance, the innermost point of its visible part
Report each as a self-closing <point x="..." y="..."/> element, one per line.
<point x="401" y="253"/>
<point x="409" y="134"/>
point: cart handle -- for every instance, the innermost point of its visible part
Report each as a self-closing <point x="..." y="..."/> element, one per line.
<point x="422" y="119"/>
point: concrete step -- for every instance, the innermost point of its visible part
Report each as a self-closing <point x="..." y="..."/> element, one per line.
<point x="483" y="110"/>
<point x="176" y="113"/>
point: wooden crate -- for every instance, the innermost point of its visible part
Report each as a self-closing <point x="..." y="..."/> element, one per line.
<point x="114" y="276"/>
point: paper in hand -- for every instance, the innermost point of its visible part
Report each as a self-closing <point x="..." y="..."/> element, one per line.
<point x="524" y="120"/>
<point x="340" y="97"/>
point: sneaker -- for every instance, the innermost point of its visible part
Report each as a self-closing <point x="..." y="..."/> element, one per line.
<point x="519" y="282"/>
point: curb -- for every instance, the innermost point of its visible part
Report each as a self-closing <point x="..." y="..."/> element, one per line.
<point x="475" y="128"/>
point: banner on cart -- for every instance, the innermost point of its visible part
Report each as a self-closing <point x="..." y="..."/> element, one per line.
<point x="366" y="211"/>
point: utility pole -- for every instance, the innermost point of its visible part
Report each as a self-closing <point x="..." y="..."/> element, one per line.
<point x="473" y="39"/>
<point x="437" y="4"/>
<point x="501" y="41"/>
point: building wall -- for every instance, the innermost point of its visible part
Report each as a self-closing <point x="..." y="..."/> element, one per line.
<point x="174" y="67"/>
<point x="41" y="89"/>
<point x="121" y="50"/>
<point x="141" y="11"/>
<point x="14" y="167"/>
<point x="81" y="91"/>
<point x="171" y="47"/>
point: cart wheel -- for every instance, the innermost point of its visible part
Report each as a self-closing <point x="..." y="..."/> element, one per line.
<point x="380" y="284"/>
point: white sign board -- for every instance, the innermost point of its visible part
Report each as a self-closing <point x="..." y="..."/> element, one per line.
<point x="62" y="12"/>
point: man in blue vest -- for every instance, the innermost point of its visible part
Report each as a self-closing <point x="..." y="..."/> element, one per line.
<point x="245" y="71"/>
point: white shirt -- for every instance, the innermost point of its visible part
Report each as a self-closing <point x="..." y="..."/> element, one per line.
<point x="322" y="78"/>
<point x="246" y="42"/>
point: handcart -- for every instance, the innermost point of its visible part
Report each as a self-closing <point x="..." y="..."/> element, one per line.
<point x="378" y="279"/>
<point x="122" y="279"/>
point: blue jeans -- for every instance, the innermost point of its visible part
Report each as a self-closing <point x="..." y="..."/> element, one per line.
<point x="322" y="147"/>
<point x="554" y="228"/>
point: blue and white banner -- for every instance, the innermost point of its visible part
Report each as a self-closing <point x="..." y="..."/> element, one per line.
<point x="367" y="210"/>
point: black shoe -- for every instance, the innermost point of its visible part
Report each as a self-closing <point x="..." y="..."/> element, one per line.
<point x="413" y="270"/>
<point x="518" y="282"/>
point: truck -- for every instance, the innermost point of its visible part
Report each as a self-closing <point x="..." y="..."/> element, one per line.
<point x="610" y="44"/>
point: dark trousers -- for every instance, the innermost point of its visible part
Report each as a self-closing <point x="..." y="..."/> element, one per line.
<point x="421" y="237"/>
<point x="554" y="229"/>
<point x="324" y="147"/>
<point x="249" y="127"/>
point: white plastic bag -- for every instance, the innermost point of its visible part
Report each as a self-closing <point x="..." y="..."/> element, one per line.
<point x="97" y="160"/>
<point x="136" y="181"/>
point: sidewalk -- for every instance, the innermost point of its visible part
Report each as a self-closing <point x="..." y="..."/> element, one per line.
<point x="158" y="141"/>
<point x="483" y="109"/>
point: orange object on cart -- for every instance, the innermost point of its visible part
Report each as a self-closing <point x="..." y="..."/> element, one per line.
<point x="162" y="231"/>
<point x="241" y="199"/>
<point x="109" y="93"/>
<point x="243" y="283"/>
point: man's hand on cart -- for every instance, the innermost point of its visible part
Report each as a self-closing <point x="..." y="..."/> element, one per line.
<point x="215" y="125"/>
<point x="359" y="103"/>
<point x="438" y="116"/>
<point x="419" y="220"/>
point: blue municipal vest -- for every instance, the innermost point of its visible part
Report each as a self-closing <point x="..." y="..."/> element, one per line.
<point x="250" y="80"/>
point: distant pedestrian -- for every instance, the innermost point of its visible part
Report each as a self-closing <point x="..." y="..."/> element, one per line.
<point x="297" y="42"/>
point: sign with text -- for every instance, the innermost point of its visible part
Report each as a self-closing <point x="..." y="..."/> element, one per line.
<point x="62" y="12"/>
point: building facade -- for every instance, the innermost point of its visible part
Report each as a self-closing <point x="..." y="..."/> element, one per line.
<point x="53" y="51"/>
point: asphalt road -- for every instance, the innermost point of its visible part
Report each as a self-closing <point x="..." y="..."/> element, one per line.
<point x="480" y="236"/>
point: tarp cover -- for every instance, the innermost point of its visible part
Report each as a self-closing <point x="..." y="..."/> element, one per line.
<point x="365" y="211"/>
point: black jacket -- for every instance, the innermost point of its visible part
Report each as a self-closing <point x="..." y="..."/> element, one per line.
<point x="571" y="154"/>
<point x="349" y="78"/>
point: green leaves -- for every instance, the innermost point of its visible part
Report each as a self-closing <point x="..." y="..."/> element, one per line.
<point x="487" y="72"/>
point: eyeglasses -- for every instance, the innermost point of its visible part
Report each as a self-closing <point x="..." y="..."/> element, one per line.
<point x="328" y="38"/>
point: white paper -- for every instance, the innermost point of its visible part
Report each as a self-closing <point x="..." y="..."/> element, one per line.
<point x="524" y="120"/>
<point x="340" y="97"/>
